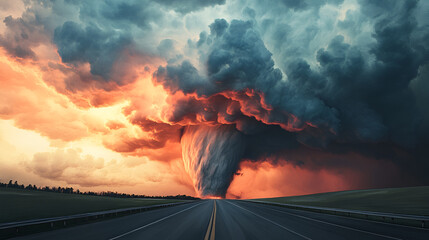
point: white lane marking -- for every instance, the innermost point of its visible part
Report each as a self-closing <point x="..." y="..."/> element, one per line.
<point x="378" y="222"/>
<point x="337" y="225"/>
<point x="157" y="221"/>
<point x="287" y="229"/>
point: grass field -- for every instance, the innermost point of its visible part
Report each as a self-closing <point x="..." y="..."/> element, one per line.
<point x="19" y="204"/>
<point x="411" y="200"/>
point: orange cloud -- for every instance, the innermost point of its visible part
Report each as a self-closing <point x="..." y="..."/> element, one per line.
<point x="27" y="100"/>
<point x="35" y="97"/>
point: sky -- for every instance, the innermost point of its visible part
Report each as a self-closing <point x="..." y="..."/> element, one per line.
<point x="236" y="99"/>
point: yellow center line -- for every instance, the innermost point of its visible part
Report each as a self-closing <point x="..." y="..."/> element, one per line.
<point x="212" y="223"/>
<point x="212" y="237"/>
<point x="208" y="229"/>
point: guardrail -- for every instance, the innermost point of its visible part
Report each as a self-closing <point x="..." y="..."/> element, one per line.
<point x="30" y="226"/>
<point x="402" y="219"/>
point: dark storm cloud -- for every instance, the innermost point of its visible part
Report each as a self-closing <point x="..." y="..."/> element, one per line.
<point x="94" y="32"/>
<point x="237" y="59"/>
<point x="370" y="90"/>
<point x="350" y="97"/>
<point x="379" y="89"/>
<point x="99" y="48"/>
<point x="105" y="33"/>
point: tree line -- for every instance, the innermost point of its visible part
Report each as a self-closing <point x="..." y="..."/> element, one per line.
<point x="70" y="190"/>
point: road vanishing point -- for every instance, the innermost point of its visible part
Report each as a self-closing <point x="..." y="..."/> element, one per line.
<point x="233" y="219"/>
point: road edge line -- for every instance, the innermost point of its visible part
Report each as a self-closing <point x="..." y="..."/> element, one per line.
<point x="289" y="230"/>
<point x="337" y="225"/>
<point x="157" y="221"/>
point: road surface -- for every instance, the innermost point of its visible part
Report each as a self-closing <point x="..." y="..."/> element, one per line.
<point x="233" y="219"/>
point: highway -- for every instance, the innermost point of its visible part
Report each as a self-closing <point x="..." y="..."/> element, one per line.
<point x="233" y="219"/>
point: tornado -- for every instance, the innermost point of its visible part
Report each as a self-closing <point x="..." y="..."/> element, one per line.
<point x="211" y="155"/>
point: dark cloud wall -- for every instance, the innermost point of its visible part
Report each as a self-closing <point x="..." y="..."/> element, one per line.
<point x="351" y="97"/>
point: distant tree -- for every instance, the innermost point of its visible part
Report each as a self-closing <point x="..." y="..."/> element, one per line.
<point x="70" y="190"/>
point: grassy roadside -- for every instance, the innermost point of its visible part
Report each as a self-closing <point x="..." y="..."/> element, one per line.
<point x="19" y="204"/>
<point x="410" y="200"/>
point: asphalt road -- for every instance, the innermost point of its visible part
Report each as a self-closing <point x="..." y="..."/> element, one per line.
<point x="229" y="219"/>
